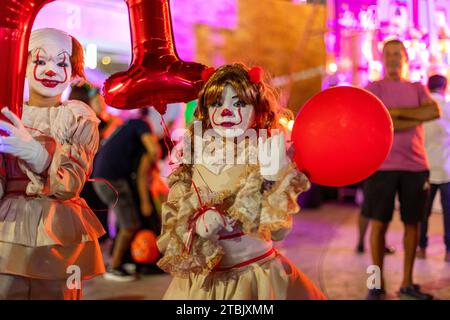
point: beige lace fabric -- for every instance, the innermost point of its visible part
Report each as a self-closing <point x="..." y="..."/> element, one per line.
<point x="181" y="205"/>
<point x="261" y="214"/>
<point x="51" y="227"/>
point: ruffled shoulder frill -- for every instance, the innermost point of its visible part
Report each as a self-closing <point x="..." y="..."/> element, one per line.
<point x="260" y="213"/>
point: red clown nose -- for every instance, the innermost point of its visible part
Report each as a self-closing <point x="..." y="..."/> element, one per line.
<point x="50" y="73"/>
<point x="226" y="113"/>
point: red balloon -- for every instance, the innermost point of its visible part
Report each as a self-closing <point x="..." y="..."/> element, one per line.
<point x="16" y="20"/>
<point x="144" y="248"/>
<point x="341" y="136"/>
<point x="156" y="76"/>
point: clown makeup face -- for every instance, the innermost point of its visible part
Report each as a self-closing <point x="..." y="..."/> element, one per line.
<point x="231" y="117"/>
<point x="49" y="70"/>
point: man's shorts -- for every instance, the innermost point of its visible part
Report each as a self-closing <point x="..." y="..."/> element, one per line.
<point x="125" y="210"/>
<point x="380" y="190"/>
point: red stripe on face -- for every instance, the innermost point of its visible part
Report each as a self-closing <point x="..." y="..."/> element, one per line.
<point x="227" y="112"/>
<point x="35" y="66"/>
<point x="214" y="116"/>
<point x="65" y="68"/>
<point x="47" y="82"/>
<point x="240" y="116"/>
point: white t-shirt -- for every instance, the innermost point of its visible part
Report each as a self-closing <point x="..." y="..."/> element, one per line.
<point x="437" y="142"/>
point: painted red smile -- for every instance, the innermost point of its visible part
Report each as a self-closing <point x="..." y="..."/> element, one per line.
<point x="49" y="83"/>
<point x="227" y="124"/>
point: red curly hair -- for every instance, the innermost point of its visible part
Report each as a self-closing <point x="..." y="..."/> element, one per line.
<point x="77" y="59"/>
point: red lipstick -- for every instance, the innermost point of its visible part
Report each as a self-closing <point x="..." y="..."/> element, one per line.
<point x="49" y="83"/>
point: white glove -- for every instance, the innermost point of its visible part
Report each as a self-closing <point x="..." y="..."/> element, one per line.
<point x="272" y="156"/>
<point x="210" y="223"/>
<point x="21" y="144"/>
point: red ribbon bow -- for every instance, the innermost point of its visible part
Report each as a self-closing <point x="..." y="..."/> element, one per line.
<point x="255" y="74"/>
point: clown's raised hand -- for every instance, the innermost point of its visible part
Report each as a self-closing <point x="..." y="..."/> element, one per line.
<point x="272" y="156"/>
<point x="21" y="144"/>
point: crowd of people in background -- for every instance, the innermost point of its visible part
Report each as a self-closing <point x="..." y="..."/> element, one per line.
<point x="125" y="184"/>
<point x="127" y="179"/>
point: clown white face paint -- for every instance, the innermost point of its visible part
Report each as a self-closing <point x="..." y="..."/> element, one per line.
<point x="49" y="71"/>
<point x="231" y="117"/>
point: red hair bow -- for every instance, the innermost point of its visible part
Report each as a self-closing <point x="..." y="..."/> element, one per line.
<point x="207" y="73"/>
<point x="255" y="74"/>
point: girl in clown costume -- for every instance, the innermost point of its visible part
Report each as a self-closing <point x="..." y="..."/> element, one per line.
<point x="221" y="217"/>
<point x="48" y="234"/>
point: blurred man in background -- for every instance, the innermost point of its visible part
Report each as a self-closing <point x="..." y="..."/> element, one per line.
<point x="405" y="170"/>
<point x="437" y="145"/>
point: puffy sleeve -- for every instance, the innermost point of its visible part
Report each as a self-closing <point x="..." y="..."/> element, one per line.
<point x="267" y="213"/>
<point x="180" y="258"/>
<point x="179" y="185"/>
<point x="279" y="203"/>
<point x="74" y="127"/>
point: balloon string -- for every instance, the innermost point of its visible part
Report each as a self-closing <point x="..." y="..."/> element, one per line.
<point x="198" y="193"/>
<point x="202" y="209"/>
<point x="166" y="130"/>
<point x="167" y="137"/>
<point x="167" y="140"/>
<point x="109" y="185"/>
<point x="41" y="132"/>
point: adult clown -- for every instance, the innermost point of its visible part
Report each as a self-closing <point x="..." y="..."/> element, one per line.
<point x="48" y="234"/>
